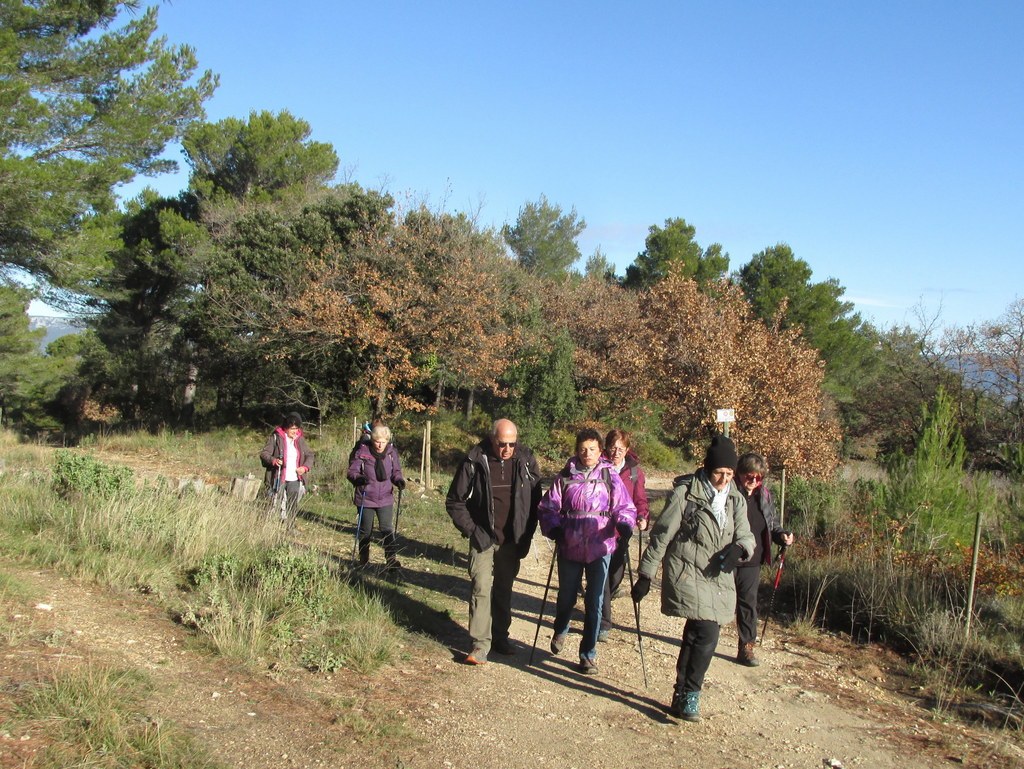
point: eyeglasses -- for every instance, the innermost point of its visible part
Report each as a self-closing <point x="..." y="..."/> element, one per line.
<point x="617" y="449"/>
<point x="506" y="444"/>
<point x="752" y="477"/>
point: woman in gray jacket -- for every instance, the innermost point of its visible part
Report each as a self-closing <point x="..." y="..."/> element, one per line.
<point x="701" y="535"/>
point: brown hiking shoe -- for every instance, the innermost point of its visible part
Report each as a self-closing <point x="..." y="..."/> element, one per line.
<point x="745" y="655"/>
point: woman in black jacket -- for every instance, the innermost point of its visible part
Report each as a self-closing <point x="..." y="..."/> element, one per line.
<point x="751" y="471"/>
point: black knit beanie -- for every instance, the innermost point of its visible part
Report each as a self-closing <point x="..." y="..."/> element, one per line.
<point x="721" y="453"/>
<point x="292" y="420"/>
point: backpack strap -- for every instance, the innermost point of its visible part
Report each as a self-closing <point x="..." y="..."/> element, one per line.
<point x="606" y="475"/>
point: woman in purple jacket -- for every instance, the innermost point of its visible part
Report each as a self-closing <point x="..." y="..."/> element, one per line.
<point x="374" y="470"/>
<point x="582" y="512"/>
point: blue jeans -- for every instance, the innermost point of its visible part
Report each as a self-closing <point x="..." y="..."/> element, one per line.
<point x="569" y="575"/>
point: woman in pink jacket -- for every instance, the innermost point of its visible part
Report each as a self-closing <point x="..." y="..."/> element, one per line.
<point x="583" y="511"/>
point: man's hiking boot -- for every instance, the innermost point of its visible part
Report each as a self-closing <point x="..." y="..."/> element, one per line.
<point x="557" y="642"/>
<point x="602" y="635"/>
<point x="588" y="666"/>
<point x="476" y="657"/>
<point x="504" y="647"/>
<point x="745" y="655"/>
<point x="392" y="564"/>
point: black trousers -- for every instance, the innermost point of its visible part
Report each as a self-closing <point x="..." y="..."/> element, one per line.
<point x="700" y="637"/>
<point x="385" y="522"/>
<point x="616" y="572"/>
<point x="748" y="579"/>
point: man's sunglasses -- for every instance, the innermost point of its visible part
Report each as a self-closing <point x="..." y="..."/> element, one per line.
<point x="506" y="444"/>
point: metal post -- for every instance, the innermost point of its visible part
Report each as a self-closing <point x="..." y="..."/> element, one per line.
<point x="974" y="574"/>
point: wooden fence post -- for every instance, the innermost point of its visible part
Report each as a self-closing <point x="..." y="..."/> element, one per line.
<point x="426" y="454"/>
<point x="782" y="500"/>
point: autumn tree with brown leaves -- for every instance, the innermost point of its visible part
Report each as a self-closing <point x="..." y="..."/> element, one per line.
<point x="609" y="343"/>
<point x="709" y="352"/>
<point x="424" y="303"/>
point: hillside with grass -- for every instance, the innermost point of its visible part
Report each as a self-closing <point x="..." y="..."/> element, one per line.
<point x="137" y="609"/>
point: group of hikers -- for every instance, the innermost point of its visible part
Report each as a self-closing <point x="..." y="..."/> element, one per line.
<point x="712" y="537"/>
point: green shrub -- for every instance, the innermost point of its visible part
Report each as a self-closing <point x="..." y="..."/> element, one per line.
<point x="81" y="474"/>
<point x="298" y="580"/>
<point x="926" y="493"/>
<point x="93" y="717"/>
<point x="286" y="602"/>
<point x="813" y="506"/>
<point x="654" y="454"/>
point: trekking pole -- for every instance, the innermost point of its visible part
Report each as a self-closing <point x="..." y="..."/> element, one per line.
<point x="775" y="587"/>
<point x="359" y="525"/>
<point x="543" y="603"/>
<point x="275" y="488"/>
<point x="398" y="510"/>
<point x="636" y="614"/>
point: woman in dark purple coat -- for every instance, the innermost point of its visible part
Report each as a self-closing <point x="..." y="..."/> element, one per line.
<point x="375" y="471"/>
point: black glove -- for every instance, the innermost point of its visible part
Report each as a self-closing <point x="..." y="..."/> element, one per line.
<point x="625" y="532"/>
<point x="360" y="481"/>
<point x="641" y="588"/>
<point x="555" y="533"/>
<point x="400" y="484"/>
<point x="729" y="557"/>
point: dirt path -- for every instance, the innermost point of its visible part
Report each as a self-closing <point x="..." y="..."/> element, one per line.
<point x="800" y="708"/>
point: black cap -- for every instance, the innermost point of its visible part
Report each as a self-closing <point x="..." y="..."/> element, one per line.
<point x="721" y="453"/>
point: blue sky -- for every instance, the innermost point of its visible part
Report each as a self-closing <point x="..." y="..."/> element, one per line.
<point x="882" y="141"/>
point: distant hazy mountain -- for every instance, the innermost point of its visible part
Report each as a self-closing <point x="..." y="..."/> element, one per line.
<point x="55" y="327"/>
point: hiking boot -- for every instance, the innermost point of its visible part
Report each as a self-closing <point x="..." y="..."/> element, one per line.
<point x="476" y="657"/>
<point x="691" y="706"/>
<point x="745" y="655"/>
<point x="503" y="646"/>
<point x="678" y="698"/>
<point x="588" y="666"/>
<point x="558" y="641"/>
<point x="392" y="564"/>
<point x="364" y="554"/>
<point x="602" y="635"/>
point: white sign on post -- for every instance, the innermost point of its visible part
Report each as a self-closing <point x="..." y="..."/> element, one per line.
<point x="725" y="415"/>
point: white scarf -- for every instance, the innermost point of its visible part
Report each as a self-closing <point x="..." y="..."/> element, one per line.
<point x="718" y="498"/>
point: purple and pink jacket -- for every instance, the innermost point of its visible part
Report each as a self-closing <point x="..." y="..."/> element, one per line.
<point x="375" y="493"/>
<point x="578" y="503"/>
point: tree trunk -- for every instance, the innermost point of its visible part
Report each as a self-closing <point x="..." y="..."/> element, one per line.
<point x="188" y="399"/>
<point x="469" y="403"/>
<point x="439" y="394"/>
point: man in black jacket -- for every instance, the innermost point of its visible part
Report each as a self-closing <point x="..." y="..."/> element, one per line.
<point x="493" y="501"/>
